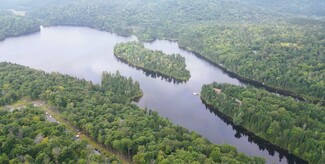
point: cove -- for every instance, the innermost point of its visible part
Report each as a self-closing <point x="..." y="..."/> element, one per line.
<point x="86" y="53"/>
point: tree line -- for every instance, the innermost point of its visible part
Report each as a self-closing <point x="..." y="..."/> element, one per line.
<point x="140" y="134"/>
<point x="125" y="89"/>
<point x="298" y="127"/>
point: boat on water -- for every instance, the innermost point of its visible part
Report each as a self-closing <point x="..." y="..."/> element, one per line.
<point x="196" y="94"/>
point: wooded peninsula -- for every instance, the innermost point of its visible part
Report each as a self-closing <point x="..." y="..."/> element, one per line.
<point x="296" y="126"/>
<point x="106" y="114"/>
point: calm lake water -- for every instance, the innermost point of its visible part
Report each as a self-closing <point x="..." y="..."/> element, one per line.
<point x="86" y="53"/>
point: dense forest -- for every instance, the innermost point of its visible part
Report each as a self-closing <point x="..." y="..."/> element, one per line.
<point x="112" y="83"/>
<point x="314" y="8"/>
<point x="136" y="54"/>
<point x="27" y="137"/>
<point x="287" y="57"/>
<point x="140" y="134"/>
<point x="295" y="126"/>
<point x="276" y="43"/>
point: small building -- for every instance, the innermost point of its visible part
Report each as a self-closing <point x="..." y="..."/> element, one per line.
<point x="217" y="91"/>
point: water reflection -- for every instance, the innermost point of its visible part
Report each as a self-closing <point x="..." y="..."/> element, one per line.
<point x="153" y="74"/>
<point x="252" y="138"/>
<point x="85" y="53"/>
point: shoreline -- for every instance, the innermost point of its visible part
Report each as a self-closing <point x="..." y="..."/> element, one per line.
<point x="20" y="35"/>
<point x="246" y="80"/>
<point x="269" y="146"/>
<point x="256" y="83"/>
<point x="249" y="81"/>
<point x="151" y="72"/>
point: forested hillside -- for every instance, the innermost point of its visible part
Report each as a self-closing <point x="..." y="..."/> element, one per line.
<point x="300" y="7"/>
<point x="150" y="19"/>
<point x="135" y="54"/>
<point x="295" y="126"/>
<point x="142" y="135"/>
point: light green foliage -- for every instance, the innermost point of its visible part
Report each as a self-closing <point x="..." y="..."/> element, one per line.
<point x="296" y="126"/>
<point x="25" y="139"/>
<point x="156" y="61"/>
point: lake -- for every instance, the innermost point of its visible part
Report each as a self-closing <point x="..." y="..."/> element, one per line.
<point x="86" y="53"/>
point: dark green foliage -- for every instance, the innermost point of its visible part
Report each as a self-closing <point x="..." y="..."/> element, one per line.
<point x="142" y="135"/>
<point x="296" y="126"/>
<point x="11" y="25"/>
<point x="156" y="61"/>
<point x="26" y="137"/>
<point x="120" y="86"/>
<point x="149" y="19"/>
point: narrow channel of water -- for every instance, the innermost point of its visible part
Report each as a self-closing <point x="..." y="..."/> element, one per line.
<point x="85" y="53"/>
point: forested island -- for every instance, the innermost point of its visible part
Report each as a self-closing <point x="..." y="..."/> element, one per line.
<point x="296" y="126"/>
<point x="137" y="55"/>
<point x="140" y="134"/>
